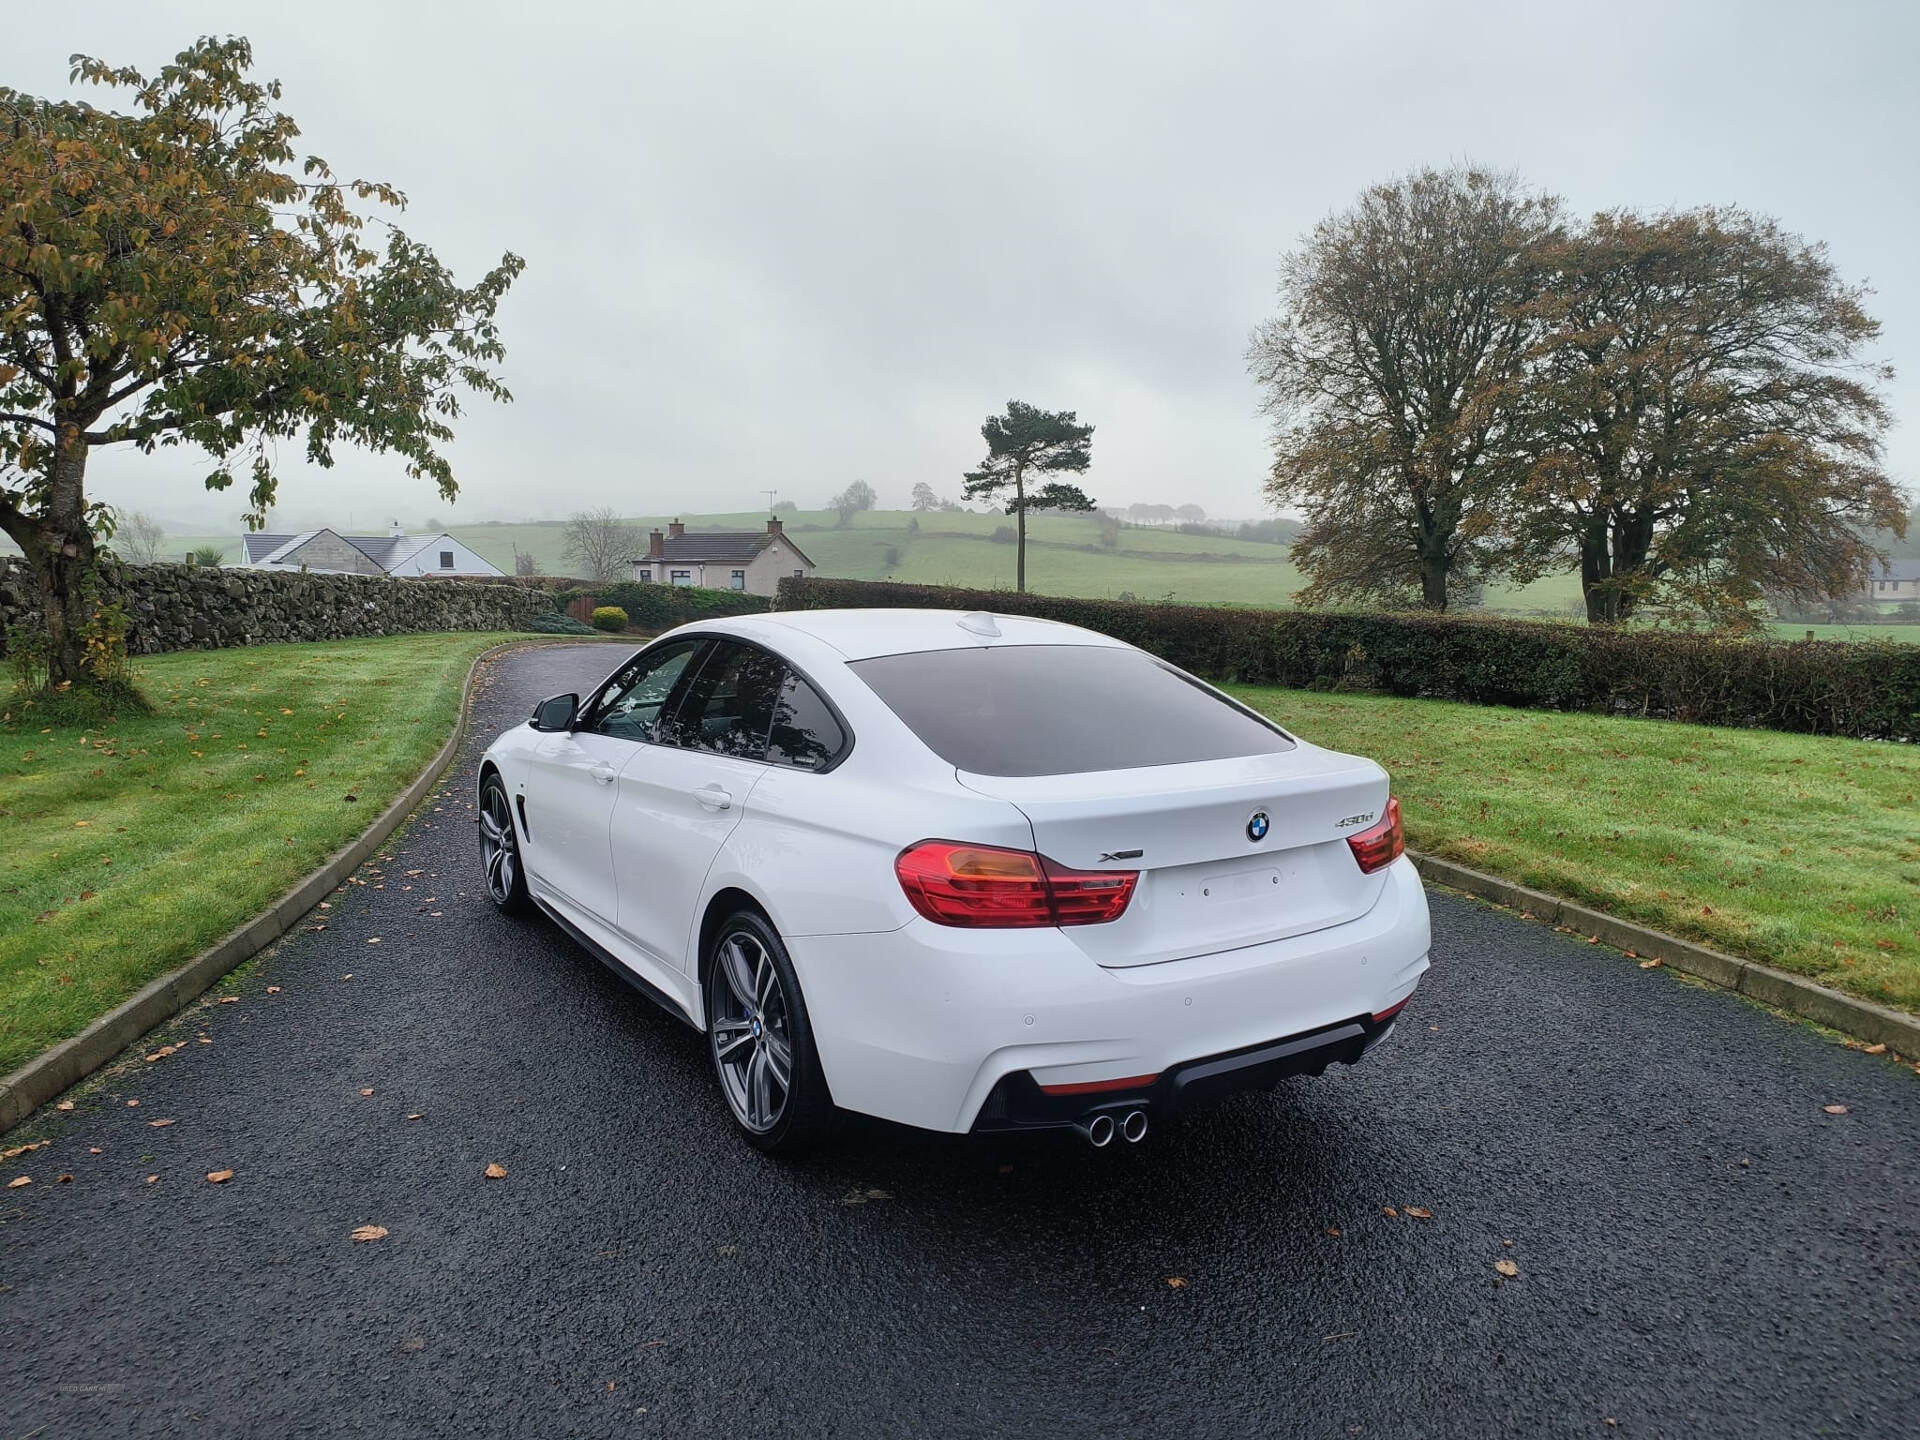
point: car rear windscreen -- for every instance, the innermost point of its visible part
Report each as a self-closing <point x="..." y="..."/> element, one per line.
<point x="1061" y="709"/>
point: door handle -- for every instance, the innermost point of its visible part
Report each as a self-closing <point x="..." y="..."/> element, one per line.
<point x="712" y="797"/>
<point x="603" y="774"/>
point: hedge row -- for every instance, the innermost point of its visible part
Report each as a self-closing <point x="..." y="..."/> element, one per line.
<point x="1870" y="690"/>
<point x="659" y="607"/>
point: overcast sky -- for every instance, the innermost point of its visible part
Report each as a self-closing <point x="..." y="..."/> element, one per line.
<point x="789" y="245"/>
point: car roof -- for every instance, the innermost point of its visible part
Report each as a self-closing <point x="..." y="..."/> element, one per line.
<point x="863" y="634"/>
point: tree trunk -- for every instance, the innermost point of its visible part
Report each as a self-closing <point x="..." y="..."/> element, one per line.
<point x="1614" y="550"/>
<point x="1020" y="509"/>
<point x="1433" y="579"/>
<point x="59" y="548"/>
<point x="1596" y="574"/>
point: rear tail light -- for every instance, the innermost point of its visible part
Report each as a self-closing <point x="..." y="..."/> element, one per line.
<point x="1381" y="845"/>
<point x="985" y="886"/>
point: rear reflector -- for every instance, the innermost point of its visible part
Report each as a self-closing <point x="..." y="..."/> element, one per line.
<point x="983" y="886"/>
<point x="1390" y="1011"/>
<point x="1383" y="844"/>
<point x="1095" y="1087"/>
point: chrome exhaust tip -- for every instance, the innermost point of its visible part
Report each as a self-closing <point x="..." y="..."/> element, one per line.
<point x="1134" y="1127"/>
<point x="1098" y="1130"/>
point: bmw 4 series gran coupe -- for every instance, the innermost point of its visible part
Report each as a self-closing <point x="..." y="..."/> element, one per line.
<point x="967" y="872"/>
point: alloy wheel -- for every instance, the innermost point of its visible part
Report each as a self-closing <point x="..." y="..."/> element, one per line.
<point x="499" y="850"/>
<point x="751" y="1032"/>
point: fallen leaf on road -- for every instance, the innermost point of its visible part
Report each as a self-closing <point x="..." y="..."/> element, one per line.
<point x="159" y="1124"/>
<point x="64" y="1105"/>
<point x="1876" y="1049"/>
<point x="369" y="1232"/>
<point x="219" y="1177"/>
<point x="63" y="1178"/>
<point x="367" y="1091"/>
<point x="229" y="999"/>
<point x="273" y="989"/>
<point x="23" y="1149"/>
<point x="1417" y="1213"/>
<point x="416" y="1116"/>
<point x="152" y="1178"/>
<point x="133" y="1102"/>
<point x="1651" y="964"/>
<point x="347" y="976"/>
<point x="18" y="1181"/>
<point x="496" y="1171"/>
<point x="1389" y="1211"/>
<point x="1175" y="1282"/>
<point x="1334" y="1231"/>
<point x="1506" y="1268"/>
<point x="95" y="1150"/>
<point x="878" y="1195"/>
<point x="1834" y="1109"/>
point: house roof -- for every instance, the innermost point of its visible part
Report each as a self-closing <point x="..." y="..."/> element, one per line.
<point x="259" y="544"/>
<point x="385" y="551"/>
<point x="1908" y="570"/>
<point x="718" y="547"/>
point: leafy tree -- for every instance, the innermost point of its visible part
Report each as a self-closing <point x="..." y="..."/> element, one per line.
<point x="1028" y="439"/>
<point x="924" y="498"/>
<point x="138" y="537"/>
<point x="211" y="555"/>
<point x="1701" y="424"/>
<point x="1390" y="375"/>
<point x="173" y="277"/>
<point x="851" y="501"/>
<point x="1192" y="514"/>
<point x="598" y="543"/>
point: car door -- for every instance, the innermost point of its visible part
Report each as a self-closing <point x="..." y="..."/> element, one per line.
<point x="680" y="798"/>
<point x="571" y="781"/>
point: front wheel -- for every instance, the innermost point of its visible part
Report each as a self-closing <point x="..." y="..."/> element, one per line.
<point x="761" y="1043"/>
<point x="500" y="849"/>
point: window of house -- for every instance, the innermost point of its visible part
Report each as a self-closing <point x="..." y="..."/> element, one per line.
<point x="799" y="574"/>
<point x="681" y="577"/>
<point x="643" y="576"/>
<point x="446" y="559"/>
<point x="737" y="580"/>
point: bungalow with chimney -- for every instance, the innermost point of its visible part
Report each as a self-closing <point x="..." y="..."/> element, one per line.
<point x="722" y="559"/>
<point x="1894" y="580"/>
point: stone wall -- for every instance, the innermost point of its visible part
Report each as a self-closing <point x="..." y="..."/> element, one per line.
<point x="197" y="607"/>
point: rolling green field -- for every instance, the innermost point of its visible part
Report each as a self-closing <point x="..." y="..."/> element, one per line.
<point x="133" y="847"/>
<point x="1798" y="850"/>
<point x="1064" y="557"/>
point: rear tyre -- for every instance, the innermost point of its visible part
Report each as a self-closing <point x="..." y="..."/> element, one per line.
<point x="500" y="850"/>
<point x="760" y="1039"/>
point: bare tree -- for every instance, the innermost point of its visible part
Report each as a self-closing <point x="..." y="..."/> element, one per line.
<point x="1390" y="375"/>
<point x="598" y="543"/>
<point x="138" y="537"/>
<point x="525" y="563"/>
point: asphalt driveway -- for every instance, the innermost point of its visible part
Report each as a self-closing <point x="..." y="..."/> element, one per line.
<point x="1701" y="1248"/>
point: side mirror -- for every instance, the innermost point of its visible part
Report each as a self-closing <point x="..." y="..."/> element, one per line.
<point x="555" y="712"/>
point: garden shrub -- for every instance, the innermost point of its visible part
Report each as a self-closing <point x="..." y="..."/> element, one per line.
<point x="610" y="618"/>
<point x="660" y="607"/>
<point x="558" y="624"/>
<point x="1866" y="689"/>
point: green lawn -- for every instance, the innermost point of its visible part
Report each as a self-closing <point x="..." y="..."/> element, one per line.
<point x="1800" y="851"/>
<point x="131" y="848"/>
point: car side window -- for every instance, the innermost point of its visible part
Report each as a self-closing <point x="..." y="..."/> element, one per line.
<point x="805" y="733"/>
<point x="728" y="707"/>
<point x="628" y="706"/>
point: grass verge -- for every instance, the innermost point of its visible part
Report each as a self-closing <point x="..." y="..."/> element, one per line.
<point x="132" y="847"/>
<point x="1799" y="851"/>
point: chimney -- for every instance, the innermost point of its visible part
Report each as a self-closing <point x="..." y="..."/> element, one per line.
<point x="655" y="545"/>
<point x="675" y="530"/>
<point x="397" y="530"/>
<point x="773" y="525"/>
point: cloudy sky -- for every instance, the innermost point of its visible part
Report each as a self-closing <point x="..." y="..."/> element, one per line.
<point x="788" y="245"/>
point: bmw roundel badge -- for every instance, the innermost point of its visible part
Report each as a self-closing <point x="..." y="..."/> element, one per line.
<point x="1257" y="826"/>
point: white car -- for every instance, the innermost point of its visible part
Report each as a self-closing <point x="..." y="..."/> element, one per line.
<point x="966" y="872"/>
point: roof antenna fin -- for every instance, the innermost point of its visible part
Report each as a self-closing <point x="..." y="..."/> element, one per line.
<point x="978" y="622"/>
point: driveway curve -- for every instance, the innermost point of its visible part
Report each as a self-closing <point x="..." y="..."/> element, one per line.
<point x="1701" y="1248"/>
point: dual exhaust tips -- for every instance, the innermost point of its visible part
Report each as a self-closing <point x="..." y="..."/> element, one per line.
<point x="1100" y="1128"/>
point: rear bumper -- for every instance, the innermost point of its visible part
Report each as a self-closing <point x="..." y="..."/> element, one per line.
<point x="1017" y="1102"/>
<point x="951" y="1029"/>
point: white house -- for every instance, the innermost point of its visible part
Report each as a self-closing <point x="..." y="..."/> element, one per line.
<point x="1894" y="580"/>
<point x="327" y="552"/>
<point x="722" y="560"/>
